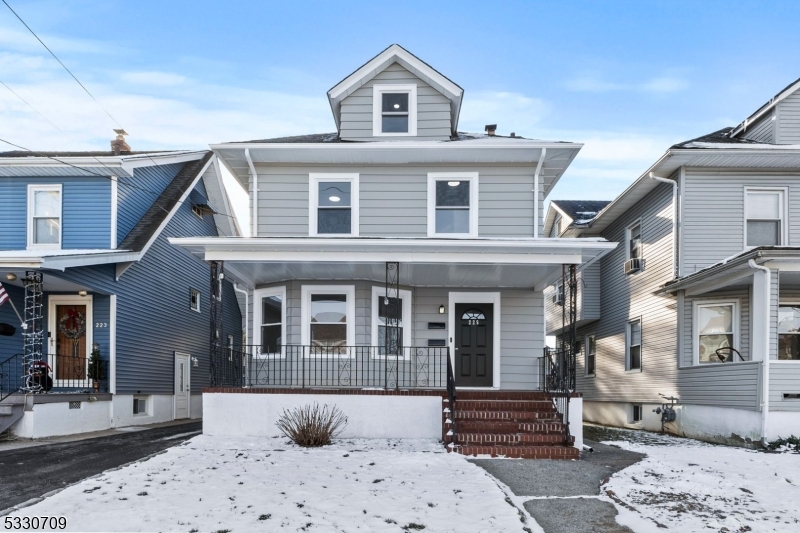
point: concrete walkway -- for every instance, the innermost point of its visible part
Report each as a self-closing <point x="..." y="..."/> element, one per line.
<point x="31" y="469"/>
<point x="562" y="496"/>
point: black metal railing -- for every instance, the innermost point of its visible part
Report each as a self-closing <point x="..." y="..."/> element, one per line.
<point x="451" y="400"/>
<point x="10" y="373"/>
<point x="557" y="379"/>
<point x="334" y="366"/>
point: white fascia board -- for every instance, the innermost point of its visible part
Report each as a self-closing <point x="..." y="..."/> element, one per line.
<point x="468" y="144"/>
<point x="765" y="109"/>
<point x="376" y="65"/>
<point x="62" y="261"/>
<point x="402" y="257"/>
<point x="147" y="160"/>
<point x="226" y="201"/>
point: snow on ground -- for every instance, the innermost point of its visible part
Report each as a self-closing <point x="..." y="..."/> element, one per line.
<point x="690" y="486"/>
<point x="251" y="484"/>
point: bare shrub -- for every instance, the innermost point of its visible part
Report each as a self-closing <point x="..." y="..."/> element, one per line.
<point x="312" y="425"/>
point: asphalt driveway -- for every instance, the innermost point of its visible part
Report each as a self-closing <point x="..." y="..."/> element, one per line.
<point x="31" y="471"/>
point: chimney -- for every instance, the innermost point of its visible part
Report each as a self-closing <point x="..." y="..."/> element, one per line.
<point x="119" y="145"/>
<point x="490" y="129"/>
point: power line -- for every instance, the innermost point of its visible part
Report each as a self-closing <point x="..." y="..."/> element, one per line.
<point x="63" y="65"/>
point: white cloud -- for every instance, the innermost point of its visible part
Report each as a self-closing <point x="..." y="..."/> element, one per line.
<point x="594" y="84"/>
<point x="506" y="109"/>
<point x="160" y="79"/>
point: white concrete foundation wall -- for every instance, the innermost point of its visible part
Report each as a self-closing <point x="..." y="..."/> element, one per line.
<point x="782" y="424"/>
<point x="196" y="406"/>
<point x="160" y="408"/>
<point x="708" y="423"/>
<point x="55" y="419"/>
<point x="254" y="415"/>
<point x="576" y="421"/>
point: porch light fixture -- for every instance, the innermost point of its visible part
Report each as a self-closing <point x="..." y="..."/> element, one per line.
<point x="441" y="309"/>
<point x="11" y="276"/>
<point x="454" y="183"/>
<point x="195" y="362"/>
<point x="82" y="293"/>
<point x="95" y="346"/>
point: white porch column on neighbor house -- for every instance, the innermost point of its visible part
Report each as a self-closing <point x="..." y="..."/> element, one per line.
<point x="761" y="305"/>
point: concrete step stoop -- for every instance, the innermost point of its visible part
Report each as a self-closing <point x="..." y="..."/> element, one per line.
<point x="512" y="424"/>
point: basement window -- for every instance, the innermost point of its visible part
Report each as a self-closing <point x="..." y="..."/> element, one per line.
<point x="140" y="406"/>
<point x="636" y="413"/>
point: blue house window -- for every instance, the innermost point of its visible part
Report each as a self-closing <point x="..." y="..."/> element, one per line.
<point x="44" y="216"/>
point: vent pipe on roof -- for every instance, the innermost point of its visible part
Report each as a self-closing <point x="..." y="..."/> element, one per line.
<point x="119" y="145"/>
<point x="490" y="129"/>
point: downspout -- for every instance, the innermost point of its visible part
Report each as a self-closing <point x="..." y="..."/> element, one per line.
<point x="539" y="166"/>
<point x="246" y="313"/>
<point x="254" y="182"/>
<point x="674" y="220"/>
<point x="765" y="364"/>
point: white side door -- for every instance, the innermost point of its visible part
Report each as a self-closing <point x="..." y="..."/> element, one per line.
<point x="182" y="385"/>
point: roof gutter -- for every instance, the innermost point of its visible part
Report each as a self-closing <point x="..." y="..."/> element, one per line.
<point x="674" y="220"/>
<point x="254" y="187"/>
<point x="761" y="327"/>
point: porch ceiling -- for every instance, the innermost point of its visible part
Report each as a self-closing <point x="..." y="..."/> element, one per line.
<point x="424" y="262"/>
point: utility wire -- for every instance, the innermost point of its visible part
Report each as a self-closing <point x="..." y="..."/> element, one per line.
<point x="63" y="65"/>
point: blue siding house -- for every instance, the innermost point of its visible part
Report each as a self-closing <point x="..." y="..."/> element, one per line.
<point x="87" y="234"/>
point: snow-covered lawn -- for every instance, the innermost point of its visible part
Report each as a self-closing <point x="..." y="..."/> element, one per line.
<point x="691" y="486"/>
<point x="216" y="483"/>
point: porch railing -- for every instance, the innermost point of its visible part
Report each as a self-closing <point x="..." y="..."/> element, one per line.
<point x="557" y="379"/>
<point x="55" y="373"/>
<point x="10" y="371"/>
<point x="357" y="367"/>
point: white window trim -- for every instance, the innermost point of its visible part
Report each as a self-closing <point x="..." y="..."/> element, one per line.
<point x="313" y="199"/>
<point x="258" y="294"/>
<point x="45" y="187"/>
<point x="628" y="238"/>
<point x="377" y="107"/>
<point x="632" y="418"/>
<point x="199" y="304"/>
<point x="586" y="356"/>
<point x="472" y="177"/>
<point x="627" y="345"/>
<point x="305" y="312"/>
<point x="787" y="303"/>
<point x="380" y="292"/>
<point x="696" y="305"/>
<point x="784" y="191"/>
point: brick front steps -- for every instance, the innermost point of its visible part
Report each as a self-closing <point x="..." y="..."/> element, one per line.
<point x="514" y="424"/>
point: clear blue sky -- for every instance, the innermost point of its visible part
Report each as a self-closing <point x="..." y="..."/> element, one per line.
<point x="626" y="78"/>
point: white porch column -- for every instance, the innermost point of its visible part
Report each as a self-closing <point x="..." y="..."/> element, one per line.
<point x="762" y="289"/>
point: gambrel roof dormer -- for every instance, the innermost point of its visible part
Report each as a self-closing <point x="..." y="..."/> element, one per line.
<point x="396" y="96"/>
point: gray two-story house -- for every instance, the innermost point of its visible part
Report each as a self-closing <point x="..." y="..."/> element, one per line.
<point x="701" y="300"/>
<point x="391" y="257"/>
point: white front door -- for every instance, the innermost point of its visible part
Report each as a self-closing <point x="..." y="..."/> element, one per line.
<point x="182" y="375"/>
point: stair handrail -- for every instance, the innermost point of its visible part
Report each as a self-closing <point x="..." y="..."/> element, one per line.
<point x="451" y="397"/>
<point x="556" y="378"/>
<point x="6" y="377"/>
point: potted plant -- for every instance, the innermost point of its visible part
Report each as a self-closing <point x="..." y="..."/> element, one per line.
<point x="95" y="367"/>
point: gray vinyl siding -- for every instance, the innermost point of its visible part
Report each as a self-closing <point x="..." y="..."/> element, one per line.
<point x="788" y="128"/>
<point x="784" y="378"/>
<point x="521" y="328"/>
<point x="713" y="213"/>
<point x="394" y="200"/>
<point x="587" y="299"/>
<point x="433" y="109"/>
<point x="743" y="297"/>
<point x="627" y="297"/>
<point x="734" y="385"/>
<point x="762" y="131"/>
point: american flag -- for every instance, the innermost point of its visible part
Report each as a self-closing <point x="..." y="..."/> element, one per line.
<point x="3" y="295"/>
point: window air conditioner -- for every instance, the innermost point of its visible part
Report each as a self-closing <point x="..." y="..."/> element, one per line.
<point x="634" y="265"/>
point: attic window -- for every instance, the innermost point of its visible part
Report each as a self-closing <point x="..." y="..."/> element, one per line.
<point x="394" y="110"/>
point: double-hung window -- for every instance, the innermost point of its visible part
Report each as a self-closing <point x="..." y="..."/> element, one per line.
<point x="328" y="314"/>
<point x="394" y="110"/>
<point x="333" y="204"/>
<point x="634" y="243"/>
<point x="765" y="218"/>
<point x="590" y="353"/>
<point x="383" y="311"/>
<point x="789" y="332"/>
<point x="715" y="326"/>
<point x="634" y="345"/>
<point x="453" y="204"/>
<point x="44" y="216"/>
<point x="269" y="312"/>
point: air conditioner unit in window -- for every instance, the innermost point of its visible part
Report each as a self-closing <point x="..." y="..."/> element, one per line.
<point x="634" y="265"/>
